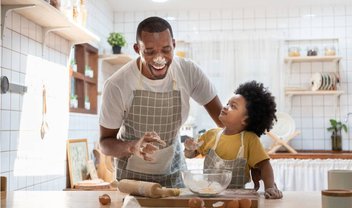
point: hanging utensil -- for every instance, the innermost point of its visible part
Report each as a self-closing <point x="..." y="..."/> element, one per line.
<point x="44" y="127"/>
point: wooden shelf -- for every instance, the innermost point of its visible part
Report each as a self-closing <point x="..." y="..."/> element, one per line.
<point x="116" y="59"/>
<point x="50" y="18"/>
<point x="312" y="59"/>
<point x="81" y="76"/>
<point x="82" y="86"/>
<point x="318" y="92"/>
<point x="313" y="154"/>
<point x="291" y="93"/>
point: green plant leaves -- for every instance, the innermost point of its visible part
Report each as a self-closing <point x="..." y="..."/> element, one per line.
<point x="336" y="126"/>
<point x="116" y="39"/>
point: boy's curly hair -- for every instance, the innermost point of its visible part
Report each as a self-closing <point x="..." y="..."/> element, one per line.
<point x="261" y="107"/>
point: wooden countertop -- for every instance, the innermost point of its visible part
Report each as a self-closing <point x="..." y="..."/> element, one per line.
<point x="313" y="154"/>
<point x="89" y="199"/>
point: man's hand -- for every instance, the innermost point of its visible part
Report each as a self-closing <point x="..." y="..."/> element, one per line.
<point x="144" y="147"/>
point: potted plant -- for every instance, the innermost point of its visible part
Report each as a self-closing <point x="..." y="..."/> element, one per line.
<point x="73" y="65"/>
<point x="88" y="71"/>
<point x="73" y="101"/>
<point x="116" y="40"/>
<point x="86" y="103"/>
<point x="336" y="137"/>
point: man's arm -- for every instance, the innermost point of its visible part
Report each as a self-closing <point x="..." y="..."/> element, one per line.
<point x="214" y="108"/>
<point x="112" y="146"/>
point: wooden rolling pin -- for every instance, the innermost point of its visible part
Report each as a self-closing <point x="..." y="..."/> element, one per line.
<point x="143" y="188"/>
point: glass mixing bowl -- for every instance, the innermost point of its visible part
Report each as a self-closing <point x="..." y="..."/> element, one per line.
<point x="207" y="182"/>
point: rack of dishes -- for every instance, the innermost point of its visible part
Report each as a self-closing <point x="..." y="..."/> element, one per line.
<point x="324" y="81"/>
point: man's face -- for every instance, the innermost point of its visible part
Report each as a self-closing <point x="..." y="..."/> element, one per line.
<point x="156" y="51"/>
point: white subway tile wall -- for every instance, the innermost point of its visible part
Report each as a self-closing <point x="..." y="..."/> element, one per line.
<point x="311" y="113"/>
<point x="18" y="137"/>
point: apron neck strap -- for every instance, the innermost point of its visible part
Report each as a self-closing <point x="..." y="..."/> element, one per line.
<point x="218" y="135"/>
<point x="240" y="153"/>
<point x="140" y="74"/>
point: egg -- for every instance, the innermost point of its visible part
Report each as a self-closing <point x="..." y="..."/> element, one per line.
<point x="196" y="202"/>
<point x="219" y="204"/>
<point x="104" y="199"/>
<point x="233" y="204"/>
<point x="245" y="203"/>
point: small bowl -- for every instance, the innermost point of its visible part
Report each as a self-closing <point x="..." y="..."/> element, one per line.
<point x="207" y="182"/>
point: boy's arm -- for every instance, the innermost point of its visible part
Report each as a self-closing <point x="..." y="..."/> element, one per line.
<point x="267" y="174"/>
<point x="256" y="177"/>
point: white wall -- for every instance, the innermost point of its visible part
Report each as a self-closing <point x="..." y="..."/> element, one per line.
<point x="22" y="39"/>
<point x="29" y="162"/>
<point x="311" y="113"/>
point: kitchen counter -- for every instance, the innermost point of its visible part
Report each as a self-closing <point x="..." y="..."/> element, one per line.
<point x="89" y="199"/>
<point x="313" y="154"/>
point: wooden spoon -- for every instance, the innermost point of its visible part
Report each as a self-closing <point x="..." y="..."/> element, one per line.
<point x="44" y="127"/>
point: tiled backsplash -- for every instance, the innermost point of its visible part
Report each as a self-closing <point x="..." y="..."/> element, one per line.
<point x="23" y="38"/>
<point x="20" y="142"/>
<point x="311" y="113"/>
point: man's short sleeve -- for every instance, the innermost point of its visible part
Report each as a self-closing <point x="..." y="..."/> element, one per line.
<point x="111" y="112"/>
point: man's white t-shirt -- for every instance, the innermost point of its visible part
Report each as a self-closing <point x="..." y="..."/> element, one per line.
<point x="118" y="89"/>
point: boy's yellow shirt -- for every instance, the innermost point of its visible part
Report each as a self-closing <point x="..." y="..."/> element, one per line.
<point x="229" y="145"/>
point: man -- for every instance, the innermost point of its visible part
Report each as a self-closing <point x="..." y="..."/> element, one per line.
<point x="145" y="103"/>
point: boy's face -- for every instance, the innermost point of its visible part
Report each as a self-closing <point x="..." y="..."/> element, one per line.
<point x="234" y="114"/>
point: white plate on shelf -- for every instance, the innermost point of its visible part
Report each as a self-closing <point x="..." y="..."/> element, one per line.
<point x="284" y="126"/>
<point x="323" y="82"/>
<point x="329" y="87"/>
<point x="316" y="81"/>
<point x="333" y="81"/>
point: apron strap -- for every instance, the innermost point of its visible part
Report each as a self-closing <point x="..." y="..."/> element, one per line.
<point x="139" y="87"/>
<point x="218" y="135"/>
<point x="240" y="153"/>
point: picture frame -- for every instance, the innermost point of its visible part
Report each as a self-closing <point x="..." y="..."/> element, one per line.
<point x="77" y="157"/>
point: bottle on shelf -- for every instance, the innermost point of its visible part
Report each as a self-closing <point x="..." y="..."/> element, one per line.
<point x="83" y="13"/>
<point x="66" y="9"/>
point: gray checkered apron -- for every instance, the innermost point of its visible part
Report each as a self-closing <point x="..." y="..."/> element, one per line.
<point x="159" y="112"/>
<point x="237" y="166"/>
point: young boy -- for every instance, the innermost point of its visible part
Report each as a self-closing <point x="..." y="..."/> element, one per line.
<point x="247" y="115"/>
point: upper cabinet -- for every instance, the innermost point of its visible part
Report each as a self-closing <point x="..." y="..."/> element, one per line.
<point x="50" y="18"/>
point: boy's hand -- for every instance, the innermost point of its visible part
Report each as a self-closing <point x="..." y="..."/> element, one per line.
<point x="190" y="144"/>
<point x="273" y="193"/>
